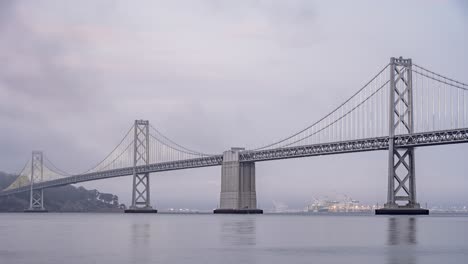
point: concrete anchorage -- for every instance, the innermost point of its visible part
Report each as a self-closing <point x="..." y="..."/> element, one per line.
<point x="401" y="198"/>
<point x="141" y="182"/>
<point x="36" y="199"/>
<point x="238" y="195"/>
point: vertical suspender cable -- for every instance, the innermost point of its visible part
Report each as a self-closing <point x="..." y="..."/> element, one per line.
<point x="445" y="107"/>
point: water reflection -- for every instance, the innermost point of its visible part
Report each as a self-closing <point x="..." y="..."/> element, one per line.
<point x="401" y="240"/>
<point x="140" y="237"/>
<point x="141" y="233"/>
<point x="238" y="231"/>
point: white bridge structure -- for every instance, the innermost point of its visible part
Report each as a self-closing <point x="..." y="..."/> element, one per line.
<point x="403" y="107"/>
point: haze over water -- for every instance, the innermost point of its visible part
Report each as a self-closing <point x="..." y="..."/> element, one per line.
<point x="164" y="238"/>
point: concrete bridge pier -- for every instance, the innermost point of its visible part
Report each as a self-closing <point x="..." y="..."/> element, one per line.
<point x="238" y="195"/>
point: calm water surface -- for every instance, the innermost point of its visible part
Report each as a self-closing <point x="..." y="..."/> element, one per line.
<point x="163" y="238"/>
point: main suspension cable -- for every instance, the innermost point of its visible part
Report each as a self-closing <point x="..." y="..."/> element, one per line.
<point x="439" y="75"/>
<point x="55" y="168"/>
<point x="182" y="148"/>
<point x="349" y="112"/>
<point x="323" y="118"/>
<point x="442" y="81"/>
<point x="110" y="153"/>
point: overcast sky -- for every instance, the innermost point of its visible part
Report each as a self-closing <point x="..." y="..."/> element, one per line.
<point x="215" y="74"/>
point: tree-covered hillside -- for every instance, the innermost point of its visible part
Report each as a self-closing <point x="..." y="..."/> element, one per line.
<point x="60" y="199"/>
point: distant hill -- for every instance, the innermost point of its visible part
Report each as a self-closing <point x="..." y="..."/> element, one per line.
<point x="60" y="199"/>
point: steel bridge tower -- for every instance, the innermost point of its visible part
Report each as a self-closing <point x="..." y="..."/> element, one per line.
<point x="401" y="197"/>
<point x="36" y="198"/>
<point x="141" y="181"/>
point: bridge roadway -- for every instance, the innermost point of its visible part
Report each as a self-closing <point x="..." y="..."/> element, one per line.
<point x="442" y="137"/>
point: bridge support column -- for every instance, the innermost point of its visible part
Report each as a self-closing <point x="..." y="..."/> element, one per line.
<point x="401" y="197"/>
<point x="36" y="198"/>
<point x="238" y="195"/>
<point x="141" y="181"/>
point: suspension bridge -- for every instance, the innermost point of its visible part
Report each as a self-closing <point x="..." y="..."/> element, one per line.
<point x="402" y="107"/>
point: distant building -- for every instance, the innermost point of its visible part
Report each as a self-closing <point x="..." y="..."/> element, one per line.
<point x="337" y="206"/>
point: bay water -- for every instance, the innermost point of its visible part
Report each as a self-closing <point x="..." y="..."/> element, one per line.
<point x="69" y="238"/>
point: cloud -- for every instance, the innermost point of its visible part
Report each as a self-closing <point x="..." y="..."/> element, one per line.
<point x="209" y="74"/>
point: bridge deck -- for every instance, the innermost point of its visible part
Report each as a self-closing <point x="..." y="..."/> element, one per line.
<point x="371" y="144"/>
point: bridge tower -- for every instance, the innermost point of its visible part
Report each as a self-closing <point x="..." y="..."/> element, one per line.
<point x="36" y="198"/>
<point x="238" y="195"/>
<point x="401" y="197"/>
<point x="141" y="181"/>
